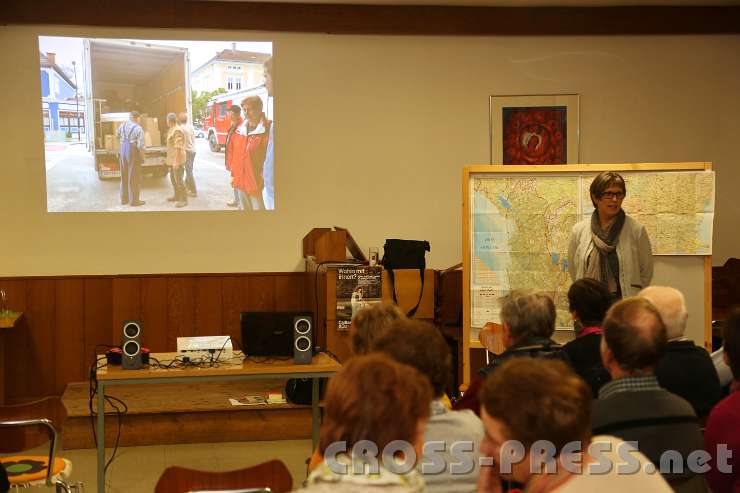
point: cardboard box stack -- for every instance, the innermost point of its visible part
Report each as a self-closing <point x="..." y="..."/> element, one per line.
<point x="152" y="137"/>
<point x="112" y="143"/>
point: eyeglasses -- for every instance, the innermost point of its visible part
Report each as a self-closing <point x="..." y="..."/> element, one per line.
<point x="612" y="195"/>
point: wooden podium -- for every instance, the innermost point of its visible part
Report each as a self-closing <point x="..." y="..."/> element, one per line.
<point x="321" y="284"/>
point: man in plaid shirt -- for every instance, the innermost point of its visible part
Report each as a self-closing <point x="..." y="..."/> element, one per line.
<point x="633" y="406"/>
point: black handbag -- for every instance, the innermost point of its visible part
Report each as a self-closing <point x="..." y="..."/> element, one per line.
<point x="405" y="254"/>
<point x="299" y="390"/>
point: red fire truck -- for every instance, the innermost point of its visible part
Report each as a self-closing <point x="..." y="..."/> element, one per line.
<point x="216" y="123"/>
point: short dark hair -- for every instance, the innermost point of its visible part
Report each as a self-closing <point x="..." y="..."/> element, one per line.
<point x="134" y="114"/>
<point x="604" y="180"/>
<point x="235" y="108"/>
<point x="731" y="344"/>
<point x="635" y="333"/>
<point x="528" y="313"/>
<point x="254" y="102"/>
<point x="369" y="323"/>
<point x="171" y="117"/>
<point x="552" y="402"/>
<point x="590" y="300"/>
<point x="373" y="397"/>
<point x="420" y="345"/>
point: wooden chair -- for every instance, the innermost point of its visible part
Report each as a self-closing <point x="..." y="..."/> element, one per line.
<point x="491" y="337"/>
<point x="27" y="426"/>
<point x="272" y="474"/>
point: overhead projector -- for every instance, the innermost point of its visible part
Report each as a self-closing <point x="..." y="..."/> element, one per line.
<point x="210" y="348"/>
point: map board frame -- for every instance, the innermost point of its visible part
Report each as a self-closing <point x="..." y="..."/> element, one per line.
<point x="700" y="271"/>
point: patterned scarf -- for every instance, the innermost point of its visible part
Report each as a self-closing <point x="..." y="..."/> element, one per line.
<point x="603" y="264"/>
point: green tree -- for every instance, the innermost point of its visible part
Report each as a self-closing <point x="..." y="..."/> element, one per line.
<point x="199" y="102"/>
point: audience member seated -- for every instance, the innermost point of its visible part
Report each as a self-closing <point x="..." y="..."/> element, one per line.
<point x="723" y="425"/>
<point x="421" y="346"/>
<point x="528" y="320"/>
<point x="551" y="410"/>
<point x="370" y="322"/>
<point x="371" y="402"/>
<point x="723" y="369"/>
<point x="588" y="301"/>
<point x="686" y="369"/>
<point x="633" y="406"/>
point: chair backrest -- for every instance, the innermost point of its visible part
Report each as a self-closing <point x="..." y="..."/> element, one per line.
<point x="272" y="474"/>
<point x="18" y="439"/>
<point x="491" y="337"/>
<point x="240" y="490"/>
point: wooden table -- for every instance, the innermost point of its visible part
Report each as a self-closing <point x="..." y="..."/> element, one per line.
<point x="8" y="320"/>
<point x="322" y="366"/>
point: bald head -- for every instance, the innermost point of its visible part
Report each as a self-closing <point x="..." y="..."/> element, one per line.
<point x="635" y="334"/>
<point x="672" y="308"/>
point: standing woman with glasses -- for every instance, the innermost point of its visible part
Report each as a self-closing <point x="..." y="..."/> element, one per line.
<point x="611" y="247"/>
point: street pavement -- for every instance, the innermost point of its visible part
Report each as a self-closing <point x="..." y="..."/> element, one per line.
<point x="72" y="185"/>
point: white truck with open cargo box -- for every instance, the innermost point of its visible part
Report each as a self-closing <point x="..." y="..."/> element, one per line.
<point x="122" y="76"/>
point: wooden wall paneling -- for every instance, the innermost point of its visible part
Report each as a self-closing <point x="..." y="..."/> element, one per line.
<point x="324" y="308"/>
<point x="234" y="301"/>
<point x="98" y="307"/>
<point x="180" y="308"/>
<point x="339" y="18"/>
<point x="261" y="293"/>
<point x="15" y="290"/>
<point x="70" y="333"/>
<point x="315" y="293"/>
<point x="66" y="317"/>
<point x="290" y="292"/>
<point x="154" y="315"/>
<point x="208" y="305"/>
<point x="15" y="339"/>
<point x="37" y="361"/>
<point x="126" y="304"/>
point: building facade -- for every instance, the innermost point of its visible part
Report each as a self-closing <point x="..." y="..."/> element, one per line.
<point x="64" y="116"/>
<point x="231" y="70"/>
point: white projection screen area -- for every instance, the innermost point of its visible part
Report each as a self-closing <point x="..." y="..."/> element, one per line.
<point x="147" y="125"/>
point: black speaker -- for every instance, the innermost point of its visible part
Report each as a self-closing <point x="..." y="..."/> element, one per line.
<point x="302" y="339"/>
<point x="131" y="345"/>
<point x="270" y="334"/>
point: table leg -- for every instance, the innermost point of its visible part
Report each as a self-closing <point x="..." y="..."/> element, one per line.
<point x="101" y="437"/>
<point x="315" y="416"/>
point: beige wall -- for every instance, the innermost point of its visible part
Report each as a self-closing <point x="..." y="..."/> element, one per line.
<point x="372" y="135"/>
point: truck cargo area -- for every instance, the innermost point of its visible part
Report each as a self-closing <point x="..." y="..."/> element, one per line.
<point x="132" y="75"/>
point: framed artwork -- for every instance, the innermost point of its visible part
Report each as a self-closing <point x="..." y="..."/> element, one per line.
<point x="534" y="129"/>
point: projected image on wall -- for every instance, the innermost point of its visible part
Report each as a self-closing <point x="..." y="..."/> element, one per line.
<point x="144" y="125"/>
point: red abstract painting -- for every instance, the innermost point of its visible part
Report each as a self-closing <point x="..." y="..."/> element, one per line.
<point x="536" y="135"/>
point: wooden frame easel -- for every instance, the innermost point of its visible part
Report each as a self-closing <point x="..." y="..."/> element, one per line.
<point x="572" y="168"/>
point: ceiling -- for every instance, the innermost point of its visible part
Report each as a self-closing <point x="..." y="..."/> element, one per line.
<point x="515" y="3"/>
